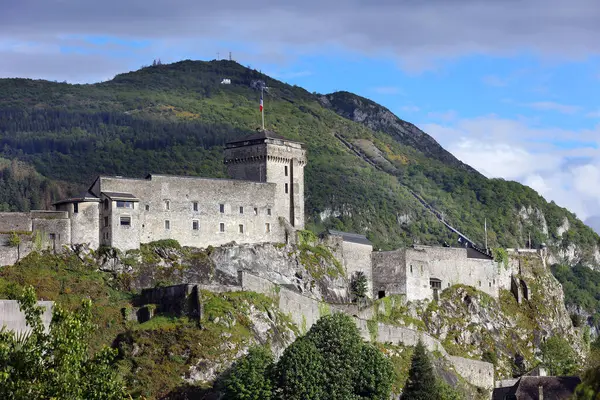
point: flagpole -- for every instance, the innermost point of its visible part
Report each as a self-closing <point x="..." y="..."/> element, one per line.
<point x="262" y="112"/>
<point x="486" y="243"/>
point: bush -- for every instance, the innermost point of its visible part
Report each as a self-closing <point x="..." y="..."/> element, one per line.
<point x="251" y="377"/>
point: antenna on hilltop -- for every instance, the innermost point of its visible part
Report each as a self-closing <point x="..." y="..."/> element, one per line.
<point x="217" y="56"/>
<point x="229" y="56"/>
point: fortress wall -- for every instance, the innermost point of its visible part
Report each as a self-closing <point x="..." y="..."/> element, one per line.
<point x="306" y="311"/>
<point x="452" y="267"/>
<point x="14" y="320"/>
<point x="8" y="254"/>
<point x="54" y="229"/>
<point x="478" y="373"/>
<point x="389" y="272"/>
<point x="181" y="192"/>
<point x="15" y="221"/>
<point x="85" y="225"/>
<point x="357" y="257"/>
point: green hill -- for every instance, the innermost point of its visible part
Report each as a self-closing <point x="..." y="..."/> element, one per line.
<point x="175" y="119"/>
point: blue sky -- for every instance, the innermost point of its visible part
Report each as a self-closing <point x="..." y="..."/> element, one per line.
<point x="510" y="87"/>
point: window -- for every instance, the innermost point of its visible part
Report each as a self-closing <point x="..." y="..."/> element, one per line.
<point x="195" y="204"/>
<point x="147" y="207"/>
<point x="195" y="225"/>
<point x="435" y="283"/>
<point x="105" y="221"/>
<point x="124" y="204"/>
<point x="52" y="236"/>
<point x="286" y="187"/>
<point x="381" y="294"/>
<point x="241" y="228"/>
<point x="222" y="208"/>
<point x="167" y="224"/>
<point x="125" y="221"/>
<point x="268" y="211"/>
<point x="75" y="207"/>
<point x="221" y="227"/>
<point x="167" y="205"/>
<point x="106" y="204"/>
<point x="411" y="269"/>
<point x="255" y="211"/>
<point x="268" y="227"/>
<point x="490" y="284"/>
<point x="286" y="172"/>
<point x="241" y="210"/>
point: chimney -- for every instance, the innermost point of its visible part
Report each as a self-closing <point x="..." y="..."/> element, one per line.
<point x="540" y="392"/>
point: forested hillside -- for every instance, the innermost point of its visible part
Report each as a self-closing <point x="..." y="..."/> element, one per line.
<point x="175" y="119"/>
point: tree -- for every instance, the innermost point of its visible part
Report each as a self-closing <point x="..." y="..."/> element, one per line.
<point x="358" y="286"/>
<point x="300" y="372"/>
<point x="55" y="364"/>
<point x="558" y="356"/>
<point x="332" y="361"/>
<point x="421" y="383"/>
<point x="251" y="377"/>
<point x="589" y="388"/>
<point x="375" y="374"/>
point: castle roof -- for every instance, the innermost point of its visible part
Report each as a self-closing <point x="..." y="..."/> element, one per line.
<point x="82" y="197"/>
<point x="260" y="136"/>
<point x="528" y="388"/>
<point x="350" y="237"/>
<point x="120" y="196"/>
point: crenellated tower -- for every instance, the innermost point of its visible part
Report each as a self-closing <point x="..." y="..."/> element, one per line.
<point x="269" y="157"/>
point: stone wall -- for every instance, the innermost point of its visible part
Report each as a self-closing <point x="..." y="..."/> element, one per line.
<point x="409" y="271"/>
<point x="10" y="255"/>
<point x="245" y="203"/>
<point x="478" y="373"/>
<point x="54" y="228"/>
<point x="389" y="273"/>
<point x="51" y="229"/>
<point x="15" y="221"/>
<point x="357" y="257"/>
<point x="13" y="319"/>
<point x="85" y="224"/>
<point x="306" y="311"/>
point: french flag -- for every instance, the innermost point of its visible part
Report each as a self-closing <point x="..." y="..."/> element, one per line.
<point x="261" y="101"/>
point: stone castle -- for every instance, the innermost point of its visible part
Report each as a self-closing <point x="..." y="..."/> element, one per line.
<point x="263" y="202"/>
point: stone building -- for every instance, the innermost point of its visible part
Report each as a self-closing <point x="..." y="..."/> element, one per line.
<point x="264" y="196"/>
<point x="422" y="272"/>
<point x="354" y="250"/>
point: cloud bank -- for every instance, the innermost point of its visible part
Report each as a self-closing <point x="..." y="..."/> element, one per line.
<point x="416" y="33"/>
<point x="518" y="150"/>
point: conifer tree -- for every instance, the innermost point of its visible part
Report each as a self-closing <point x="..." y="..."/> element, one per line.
<point x="421" y="383"/>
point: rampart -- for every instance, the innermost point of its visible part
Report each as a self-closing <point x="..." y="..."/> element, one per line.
<point x="305" y="311"/>
<point x="35" y="229"/>
<point x="419" y="271"/>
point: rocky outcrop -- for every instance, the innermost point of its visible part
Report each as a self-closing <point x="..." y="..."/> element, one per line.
<point x="310" y="269"/>
<point x="470" y="323"/>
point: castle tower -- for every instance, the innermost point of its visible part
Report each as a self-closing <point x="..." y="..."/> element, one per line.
<point x="269" y="157"/>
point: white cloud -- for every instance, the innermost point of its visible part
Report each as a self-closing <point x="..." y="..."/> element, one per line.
<point x="417" y="34"/>
<point x="553" y="106"/>
<point x="447" y="116"/>
<point x="593" y="114"/>
<point x="519" y="150"/>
